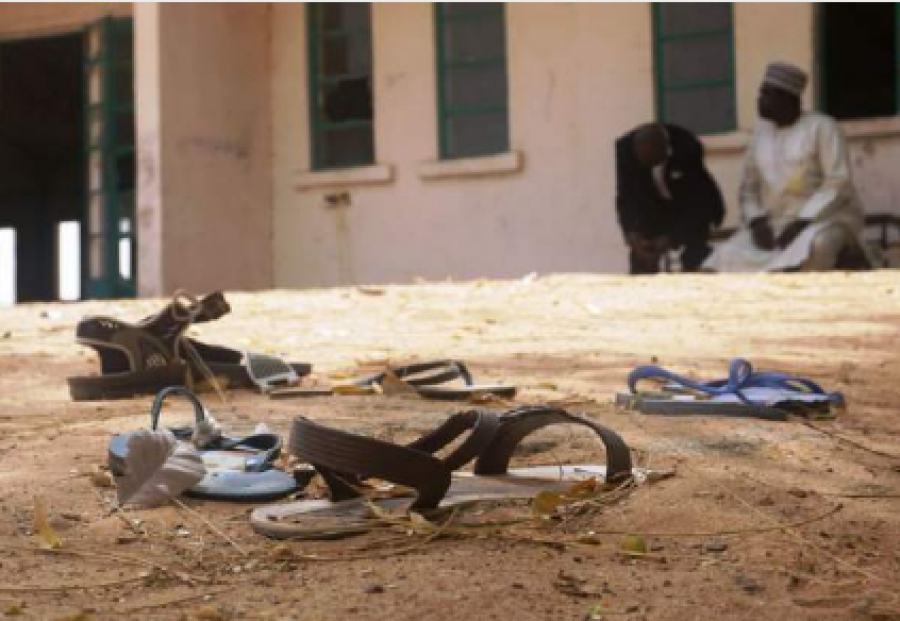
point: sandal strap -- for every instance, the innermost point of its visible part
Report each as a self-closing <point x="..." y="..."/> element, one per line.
<point x="519" y="423"/>
<point x="442" y="372"/>
<point x="343" y="458"/>
<point x="484" y="426"/>
<point x="200" y="412"/>
<point x="266" y="446"/>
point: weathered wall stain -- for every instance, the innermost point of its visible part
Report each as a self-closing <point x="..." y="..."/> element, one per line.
<point x="210" y="145"/>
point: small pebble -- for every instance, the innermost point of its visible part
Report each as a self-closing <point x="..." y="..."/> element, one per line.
<point x="715" y="546"/>
<point x="749" y="585"/>
<point x="374" y="588"/>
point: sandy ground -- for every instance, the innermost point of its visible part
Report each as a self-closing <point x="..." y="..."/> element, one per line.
<point x="560" y="338"/>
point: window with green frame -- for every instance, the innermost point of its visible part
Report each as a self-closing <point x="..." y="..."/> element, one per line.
<point x="473" y="111"/>
<point x="340" y="84"/>
<point x="693" y="45"/>
<point x="859" y="59"/>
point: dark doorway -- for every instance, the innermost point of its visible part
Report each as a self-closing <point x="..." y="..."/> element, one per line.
<point x="42" y="181"/>
<point x="857" y="52"/>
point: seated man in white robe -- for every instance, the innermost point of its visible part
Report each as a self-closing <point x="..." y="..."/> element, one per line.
<point x="799" y="209"/>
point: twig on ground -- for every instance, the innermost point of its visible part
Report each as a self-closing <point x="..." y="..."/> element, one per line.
<point x="174" y="600"/>
<point x="183" y="576"/>
<point x="209" y="525"/>
<point x="11" y="588"/>
<point x="841" y="438"/>
<point x="861" y="496"/>
<point x="726" y="533"/>
<point x="809" y="542"/>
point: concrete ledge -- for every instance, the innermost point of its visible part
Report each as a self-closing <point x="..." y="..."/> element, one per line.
<point x="872" y="128"/>
<point x="363" y="175"/>
<point x="726" y="143"/>
<point x="504" y="163"/>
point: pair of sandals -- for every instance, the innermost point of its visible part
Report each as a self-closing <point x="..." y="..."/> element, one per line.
<point x="244" y="469"/>
<point x="144" y="358"/>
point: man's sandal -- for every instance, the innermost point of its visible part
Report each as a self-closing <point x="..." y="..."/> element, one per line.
<point x="344" y="461"/>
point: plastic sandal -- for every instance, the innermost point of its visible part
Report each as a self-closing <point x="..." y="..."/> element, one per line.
<point x="239" y="469"/>
<point x="744" y="393"/>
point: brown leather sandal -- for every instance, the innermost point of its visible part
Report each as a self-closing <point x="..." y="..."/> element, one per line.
<point x="345" y="460"/>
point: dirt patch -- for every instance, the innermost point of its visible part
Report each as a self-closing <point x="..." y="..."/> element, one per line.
<point x="560" y="338"/>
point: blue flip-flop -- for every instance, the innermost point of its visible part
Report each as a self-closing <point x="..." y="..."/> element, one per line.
<point x="238" y="469"/>
<point x="745" y="393"/>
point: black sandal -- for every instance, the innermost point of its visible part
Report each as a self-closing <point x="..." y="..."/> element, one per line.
<point x="428" y="379"/>
<point x="144" y="358"/>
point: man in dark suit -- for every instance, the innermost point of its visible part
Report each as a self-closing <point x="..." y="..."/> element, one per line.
<point x="665" y="198"/>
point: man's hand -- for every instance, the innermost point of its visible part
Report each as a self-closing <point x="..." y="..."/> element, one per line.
<point x="761" y="232"/>
<point x="791" y="232"/>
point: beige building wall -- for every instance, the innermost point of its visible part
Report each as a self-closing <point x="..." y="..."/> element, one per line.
<point x="580" y="75"/>
<point x="227" y="200"/>
<point x="204" y="155"/>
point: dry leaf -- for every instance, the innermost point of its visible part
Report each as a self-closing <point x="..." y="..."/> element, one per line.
<point x="370" y="290"/>
<point x="353" y="390"/>
<point x="546" y="503"/>
<point x="101" y="479"/>
<point x="47" y="538"/>
<point x="634" y="545"/>
<point x="158" y="467"/>
<point x="393" y="385"/>
<point x="281" y="552"/>
<point x="207" y="613"/>
<point x="421" y="525"/>
<point x="380" y="513"/>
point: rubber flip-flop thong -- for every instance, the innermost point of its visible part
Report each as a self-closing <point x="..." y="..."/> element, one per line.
<point x="745" y="393"/>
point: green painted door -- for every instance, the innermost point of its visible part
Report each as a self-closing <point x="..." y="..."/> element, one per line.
<point x="109" y="243"/>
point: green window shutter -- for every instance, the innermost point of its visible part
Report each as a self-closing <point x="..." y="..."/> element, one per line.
<point x="339" y="36"/>
<point x="693" y="62"/>
<point x="473" y="93"/>
<point x="109" y="235"/>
